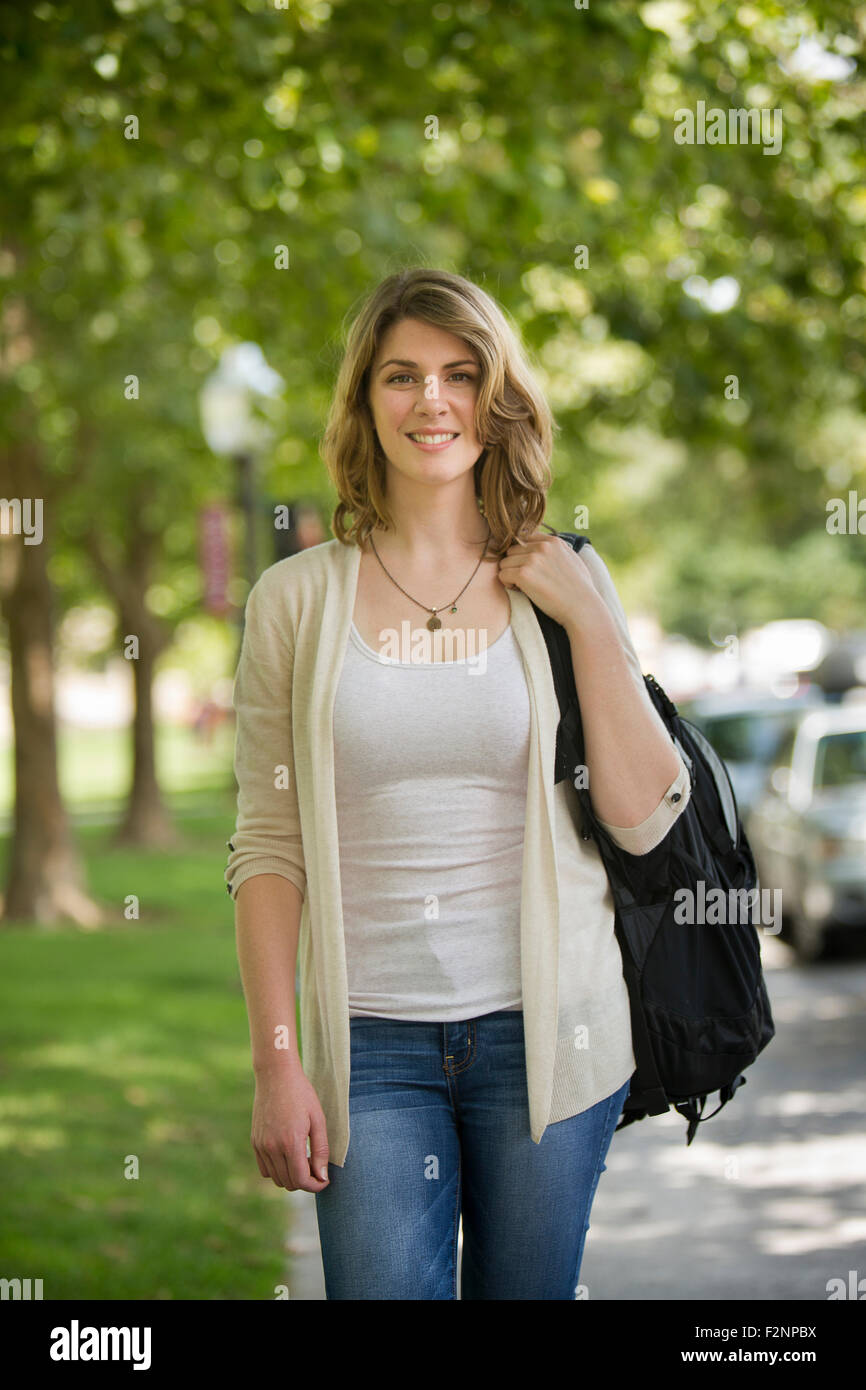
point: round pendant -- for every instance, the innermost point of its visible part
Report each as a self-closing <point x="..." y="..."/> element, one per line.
<point x="434" y="622"/>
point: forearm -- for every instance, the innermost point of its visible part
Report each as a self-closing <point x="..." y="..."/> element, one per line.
<point x="630" y="758"/>
<point x="267" y="926"/>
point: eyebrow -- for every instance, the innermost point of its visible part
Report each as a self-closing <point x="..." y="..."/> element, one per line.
<point x="403" y="362"/>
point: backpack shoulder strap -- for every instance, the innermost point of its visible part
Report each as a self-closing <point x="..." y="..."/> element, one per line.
<point x="569" y="736"/>
<point x="569" y="745"/>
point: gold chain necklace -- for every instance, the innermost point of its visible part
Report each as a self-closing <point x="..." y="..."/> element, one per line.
<point x="433" y="622"/>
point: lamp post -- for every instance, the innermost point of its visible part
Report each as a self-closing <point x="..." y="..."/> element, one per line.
<point x="232" y="428"/>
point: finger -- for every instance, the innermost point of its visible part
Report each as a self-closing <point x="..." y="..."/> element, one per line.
<point x="538" y="537"/>
<point x="299" y="1168"/>
<point x="530" y="547"/>
<point x="284" y="1168"/>
<point x="319" y="1147"/>
<point x="272" y="1171"/>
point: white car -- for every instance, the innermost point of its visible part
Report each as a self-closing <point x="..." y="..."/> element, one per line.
<point x="808" y="827"/>
<point x="747" y="728"/>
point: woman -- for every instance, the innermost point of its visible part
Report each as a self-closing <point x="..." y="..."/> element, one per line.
<point x="464" y="1018"/>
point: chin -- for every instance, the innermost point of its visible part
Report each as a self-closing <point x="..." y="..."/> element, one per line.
<point x="443" y="466"/>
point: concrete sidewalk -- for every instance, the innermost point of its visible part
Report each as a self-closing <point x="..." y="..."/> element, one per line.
<point x="305" y="1277"/>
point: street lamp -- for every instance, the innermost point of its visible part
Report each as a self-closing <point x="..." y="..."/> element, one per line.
<point x="232" y="427"/>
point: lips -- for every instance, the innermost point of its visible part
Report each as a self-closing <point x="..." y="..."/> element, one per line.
<point x="433" y="440"/>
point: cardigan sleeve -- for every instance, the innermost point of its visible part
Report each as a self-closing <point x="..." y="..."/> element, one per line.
<point x="638" y="839"/>
<point x="267" y="836"/>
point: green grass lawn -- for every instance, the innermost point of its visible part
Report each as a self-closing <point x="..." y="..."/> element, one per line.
<point x="94" y="768"/>
<point x="133" y="1041"/>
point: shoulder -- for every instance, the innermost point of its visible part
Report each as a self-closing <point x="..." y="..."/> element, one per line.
<point x="303" y="573"/>
<point x="599" y="572"/>
<point x="589" y="555"/>
<point x="291" y="592"/>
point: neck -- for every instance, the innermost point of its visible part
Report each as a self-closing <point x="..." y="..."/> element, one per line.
<point x="433" y="524"/>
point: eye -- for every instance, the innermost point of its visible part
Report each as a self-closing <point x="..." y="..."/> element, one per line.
<point x="407" y="376"/>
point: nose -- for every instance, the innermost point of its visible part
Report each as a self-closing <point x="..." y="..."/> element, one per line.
<point x="430" y="405"/>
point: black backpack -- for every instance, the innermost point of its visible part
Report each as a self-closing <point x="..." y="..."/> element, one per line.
<point x="699" y="1007"/>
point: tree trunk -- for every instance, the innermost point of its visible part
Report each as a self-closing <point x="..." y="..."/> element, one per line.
<point x="45" y="879"/>
<point x="146" y="822"/>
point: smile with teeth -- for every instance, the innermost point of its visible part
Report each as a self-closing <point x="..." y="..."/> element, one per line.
<point x="433" y="438"/>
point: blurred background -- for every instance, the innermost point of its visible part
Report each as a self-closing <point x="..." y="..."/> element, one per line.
<point x="195" y="196"/>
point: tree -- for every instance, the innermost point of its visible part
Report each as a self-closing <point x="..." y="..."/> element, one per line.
<point x="181" y="177"/>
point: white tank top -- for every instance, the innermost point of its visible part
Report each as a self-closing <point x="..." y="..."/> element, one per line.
<point x="431" y="767"/>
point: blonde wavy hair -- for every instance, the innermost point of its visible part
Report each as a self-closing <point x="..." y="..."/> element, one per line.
<point x="512" y="474"/>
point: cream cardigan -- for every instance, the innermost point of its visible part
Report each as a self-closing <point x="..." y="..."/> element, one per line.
<point x="575" y="1002"/>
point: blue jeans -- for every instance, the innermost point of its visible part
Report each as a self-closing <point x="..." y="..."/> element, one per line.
<point x="439" y="1124"/>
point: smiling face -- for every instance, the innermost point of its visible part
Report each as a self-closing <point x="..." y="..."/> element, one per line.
<point x="423" y="387"/>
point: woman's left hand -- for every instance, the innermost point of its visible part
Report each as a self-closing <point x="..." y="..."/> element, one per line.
<point x="553" y="576"/>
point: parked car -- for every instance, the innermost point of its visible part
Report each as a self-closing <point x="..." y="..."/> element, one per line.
<point x="747" y="729"/>
<point x="808" y="827"/>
